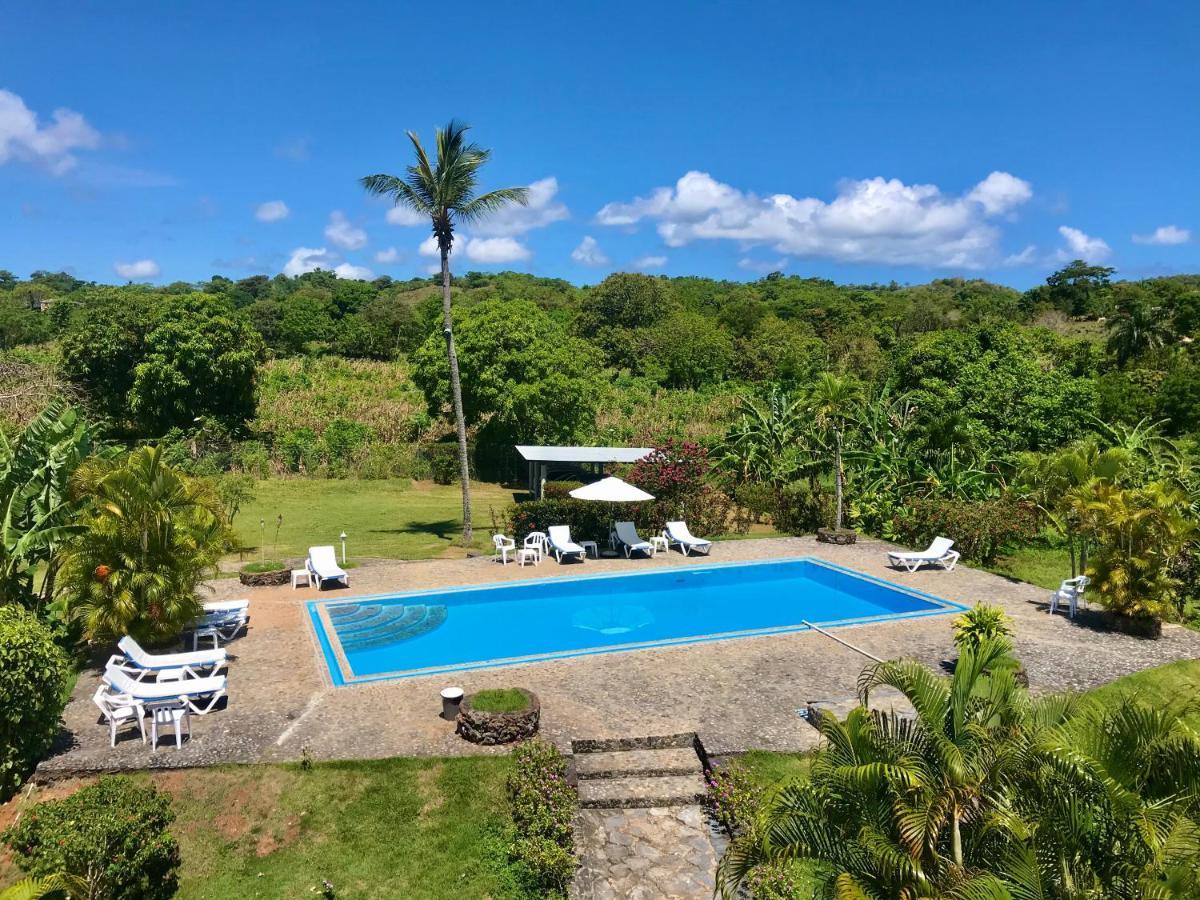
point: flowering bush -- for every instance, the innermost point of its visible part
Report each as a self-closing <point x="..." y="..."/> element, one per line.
<point x="543" y="806"/>
<point x="980" y="529"/>
<point x="732" y="797"/>
<point x="673" y="472"/>
<point x="772" y="881"/>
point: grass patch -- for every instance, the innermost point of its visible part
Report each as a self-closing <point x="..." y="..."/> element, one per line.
<point x="1044" y="566"/>
<point x="271" y="565"/>
<point x="393" y="519"/>
<point x="422" y="829"/>
<point x="1175" y="685"/>
<point x="500" y="700"/>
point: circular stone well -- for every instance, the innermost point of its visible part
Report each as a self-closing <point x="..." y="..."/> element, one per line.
<point x="490" y="728"/>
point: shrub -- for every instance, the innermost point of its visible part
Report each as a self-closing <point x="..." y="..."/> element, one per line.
<point x="443" y="462"/>
<point x="797" y="510"/>
<point x="112" y="833"/>
<point x="33" y="670"/>
<point x="543" y="806"/>
<point x="773" y="881"/>
<point x="559" y="490"/>
<point x="980" y="529"/>
<point x="732" y="797"/>
<point x="983" y="622"/>
<point x="588" y="521"/>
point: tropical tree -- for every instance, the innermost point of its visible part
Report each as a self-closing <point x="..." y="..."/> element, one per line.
<point x="37" y="511"/>
<point x="1138" y="327"/>
<point x="150" y="537"/>
<point x="833" y="400"/>
<point x="763" y="444"/>
<point x="446" y="191"/>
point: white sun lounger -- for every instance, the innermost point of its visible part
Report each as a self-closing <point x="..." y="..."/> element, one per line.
<point x="191" y="691"/>
<point x="678" y="533"/>
<point x="322" y="565"/>
<point x="938" y="552"/>
<point x="137" y="662"/>
<point x="221" y="621"/>
<point x="631" y="541"/>
<point x="561" y="543"/>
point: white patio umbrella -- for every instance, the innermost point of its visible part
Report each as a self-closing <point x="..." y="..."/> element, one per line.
<point x="611" y="490"/>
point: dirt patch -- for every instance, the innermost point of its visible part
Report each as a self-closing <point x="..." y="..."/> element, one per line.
<point x="427" y="787"/>
<point x="273" y="840"/>
<point x="31" y="794"/>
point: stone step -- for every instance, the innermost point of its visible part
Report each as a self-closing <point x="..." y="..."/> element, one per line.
<point x="656" y="742"/>
<point x="646" y="763"/>
<point x="635" y="791"/>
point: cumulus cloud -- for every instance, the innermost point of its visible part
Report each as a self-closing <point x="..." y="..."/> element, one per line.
<point x="341" y="233"/>
<point x="349" y="270"/>
<point x="138" y="270"/>
<point x="487" y="251"/>
<point x="541" y="210"/>
<point x="649" y="262"/>
<point x="308" y="259"/>
<point x="402" y="215"/>
<point x="1026" y="257"/>
<point x="588" y="253"/>
<point x="428" y="247"/>
<point x="1164" y="236"/>
<point x="388" y="256"/>
<point x="272" y="211"/>
<point x="1082" y="246"/>
<point x="872" y="220"/>
<point x="762" y="266"/>
<point x="23" y="137"/>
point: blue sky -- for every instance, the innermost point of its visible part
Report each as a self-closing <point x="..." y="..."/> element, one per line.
<point x="861" y="142"/>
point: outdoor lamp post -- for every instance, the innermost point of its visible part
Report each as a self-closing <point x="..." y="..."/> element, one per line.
<point x="343" y="535"/>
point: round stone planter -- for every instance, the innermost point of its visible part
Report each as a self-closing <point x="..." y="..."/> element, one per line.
<point x="837" y="535"/>
<point x="491" y="728"/>
<point x="265" y="579"/>
<point x="1137" y="626"/>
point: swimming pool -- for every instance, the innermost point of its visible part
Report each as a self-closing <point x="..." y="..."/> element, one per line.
<point x="449" y="630"/>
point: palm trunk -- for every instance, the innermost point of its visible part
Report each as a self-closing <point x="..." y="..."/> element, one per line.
<point x="838" y="479"/>
<point x="460" y="422"/>
<point x="956" y="841"/>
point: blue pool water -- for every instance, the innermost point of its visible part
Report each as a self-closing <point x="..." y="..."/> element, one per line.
<point x="427" y="632"/>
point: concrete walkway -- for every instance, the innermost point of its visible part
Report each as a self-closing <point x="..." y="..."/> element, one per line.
<point x="736" y="694"/>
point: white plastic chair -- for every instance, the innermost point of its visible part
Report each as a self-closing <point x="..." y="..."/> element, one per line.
<point x="1069" y="592"/>
<point x="504" y="545"/>
<point x="119" y="710"/>
<point x="537" y="540"/>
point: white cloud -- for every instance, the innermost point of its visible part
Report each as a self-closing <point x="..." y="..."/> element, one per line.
<point x="1165" y="236"/>
<point x="1026" y="257"/>
<point x="388" y="256"/>
<point x="138" y="270"/>
<point x="762" y="266"/>
<point x="588" y="253"/>
<point x="48" y="145"/>
<point x="1082" y="246"/>
<point x="873" y="220"/>
<point x="649" y="262"/>
<point x="540" y="211"/>
<point x="272" y="211"/>
<point x="342" y="234"/>
<point x="490" y="251"/>
<point x="349" y="270"/>
<point x="402" y="215"/>
<point x="308" y="259"/>
<point x="1000" y="192"/>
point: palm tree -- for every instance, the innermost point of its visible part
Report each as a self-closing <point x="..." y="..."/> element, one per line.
<point x="151" y="536"/>
<point x="1137" y="328"/>
<point x="446" y="192"/>
<point x="832" y="400"/>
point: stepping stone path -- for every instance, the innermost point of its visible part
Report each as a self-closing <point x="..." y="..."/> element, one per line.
<point x="641" y="831"/>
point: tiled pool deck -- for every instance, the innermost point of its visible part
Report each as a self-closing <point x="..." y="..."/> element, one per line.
<point x="736" y="695"/>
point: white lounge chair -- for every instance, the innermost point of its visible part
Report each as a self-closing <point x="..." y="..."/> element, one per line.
<point x="221" y="621"/>
<point x="191" y="691"/>
<point x="322" y="566"/>
<point x="1069" y="592"/>
<point x="137" y="662"/>
<point x="631" y="542"/>
<point x="504" y="546"/>
<point x="938" y="552"/>
<point x="678" y="533"/>
<point x="117" y="710"/>
<point x="562" y="545"/>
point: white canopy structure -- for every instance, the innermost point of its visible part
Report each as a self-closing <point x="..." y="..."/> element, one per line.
<point x="542" y="461"/>
<point x="611" y="490"/>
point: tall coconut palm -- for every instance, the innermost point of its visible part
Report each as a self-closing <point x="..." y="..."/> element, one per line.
<point x="445" y="190"/>
<point x="1138" y="328"/>
<point x="832" y="400"/>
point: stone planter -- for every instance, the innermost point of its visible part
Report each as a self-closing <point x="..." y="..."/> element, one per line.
<point x="1138" y="626"/>
<point x="837" y="535"/>
<point x="265" y="579"/>
<point x="491" y="728"/>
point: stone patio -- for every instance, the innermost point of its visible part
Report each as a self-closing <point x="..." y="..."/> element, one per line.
<point x="735" y="695"/>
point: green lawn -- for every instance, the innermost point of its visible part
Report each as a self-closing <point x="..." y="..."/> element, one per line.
<point x="422" y="829"/>
<point x="394" y="519"/>
<point x="1044" y="566"/>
